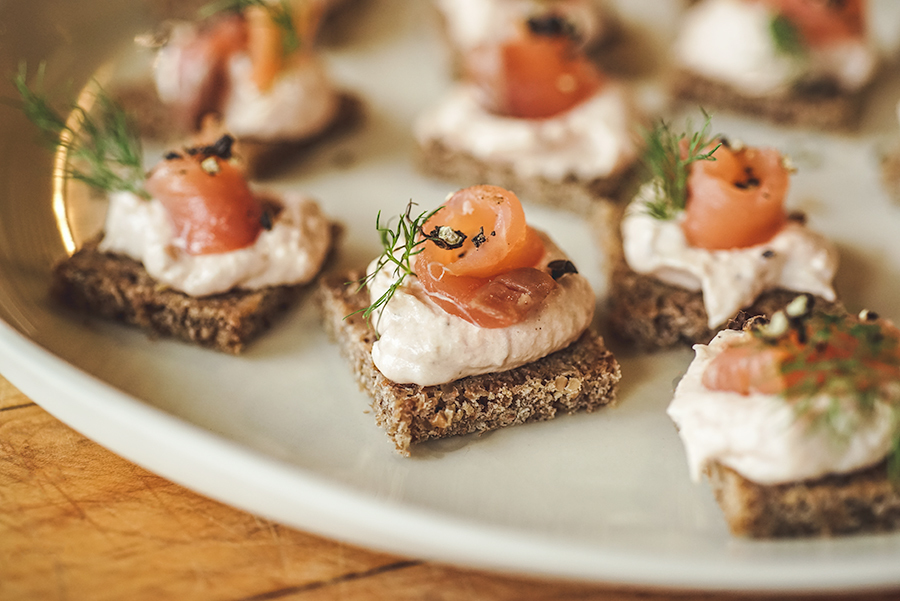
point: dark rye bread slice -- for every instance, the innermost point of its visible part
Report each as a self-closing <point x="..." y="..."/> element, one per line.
<point x="583" y="376"/>
<point x="119" y="288"/>
<point x="861" y="501"/>
<point x="651" y="314"/>
<point x="436" y="159"/>
<point x="812" y="108"/>
<point x="261" y="158"/>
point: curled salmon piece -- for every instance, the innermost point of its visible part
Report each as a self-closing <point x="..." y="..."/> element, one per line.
<point x="858" y="356"/>
<point x="480" y="260"/>
<point x="208" y="200"/>
<point x="737" y="200"/>
<point x="202" y="68"/>
<point x="747" y="369"/>
<point x="536" y="75"/>
<point x="823" y="22"/>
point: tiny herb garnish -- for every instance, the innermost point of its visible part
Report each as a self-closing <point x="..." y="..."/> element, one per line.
<point x="446" y="237"/>
<point x="786" y="36"/>
<point x="103" y="145"/>
<point x="281" y="14"/>
<point x="838" y="369"/>
<point x="667" y="158"/>
<point x="400" y="244"/>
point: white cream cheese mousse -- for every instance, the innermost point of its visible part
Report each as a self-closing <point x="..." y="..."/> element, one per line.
<point x="795" y="259"/>
<point x="301" y="102"/>
<point x="421" y="343"/>
<point x="731" y="41"/>
<point x="472" y="23"/>
<point x="591" y="140"/>
<point x="760" y="436"/>
<point x="290" y="253"/>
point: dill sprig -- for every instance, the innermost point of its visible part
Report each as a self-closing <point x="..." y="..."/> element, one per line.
<point x="103" y="146"/>
<point x="786" y="36"/>
<point x="281" y="13"/>
<point x="668" y="157"/>
<point x="836" y="375"/>
<point x="400" y="244"/>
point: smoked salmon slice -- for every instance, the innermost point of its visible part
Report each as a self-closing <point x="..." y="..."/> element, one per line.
<point x="736" y="200"/>
<point x="481" y="258"/>
<point x="208" y="200"/>
<point x="536" y="75"/>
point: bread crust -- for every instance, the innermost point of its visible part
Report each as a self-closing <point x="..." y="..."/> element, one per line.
<point x="117" y="287"/>
<point x="825" y="109"/>
<point x="583" y="376"/>
<point x="436" y="159"/>
<point x="861" y="501"/>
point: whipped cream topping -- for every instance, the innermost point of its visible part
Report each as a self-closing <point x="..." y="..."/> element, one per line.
<point x="591" y="140"/>
<point x="423" y="344"/>
<point x="761" y="436"/>
<point x="731" y="41"/>
<point x="292" y="252"/>
<point x="796" y="258"/>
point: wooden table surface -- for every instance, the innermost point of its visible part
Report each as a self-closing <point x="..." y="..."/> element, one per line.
<point x="80" y="523"/>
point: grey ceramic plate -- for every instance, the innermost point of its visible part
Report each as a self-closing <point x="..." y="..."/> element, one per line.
<point x="283" y="431"/>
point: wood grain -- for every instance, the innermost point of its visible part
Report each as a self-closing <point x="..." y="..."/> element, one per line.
<point x="78" y="522"/>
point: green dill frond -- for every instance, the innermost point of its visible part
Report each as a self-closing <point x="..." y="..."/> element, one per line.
<point x="281" y="13"/>
<point x="667" y="159"/>
<point x="400" y="244"/>
<point x="104" y="149"/>
<point x="786" y="36"/>
<point x="837" y="376"/>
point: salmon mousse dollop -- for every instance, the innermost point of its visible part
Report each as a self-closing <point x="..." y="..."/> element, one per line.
<point x="712" y="219"/>
<point x="202" y="230"/>
<point x="531" y="100"/>
<point x="254" y="71"/>
<point x="769" y="47"/>
<point x="800" y="397"/>
<point x="481" y="292"/>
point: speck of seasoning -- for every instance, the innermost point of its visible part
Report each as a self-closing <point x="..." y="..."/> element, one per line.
<point x="768" y="253"/>
<point x="461" y="255"/>
<point x="724" y="142"/>
<point x="560" y="268"/>
<point x="220" y="148"/>
<point x="551" y="25"/>
<point x="265" y="220"/>
<point x="777" y="326"/>
<point x="210" y="165"/>
<point x="479" y="238"/>
<point x="797" y="217"/>
<point x="171" y="156"/>
<point x="446" y="237"/>
<point x="493" y="233"/>
<point x="788" y="163"/>
<point x="800" y="306"/>
<point x="866" y="315"/>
